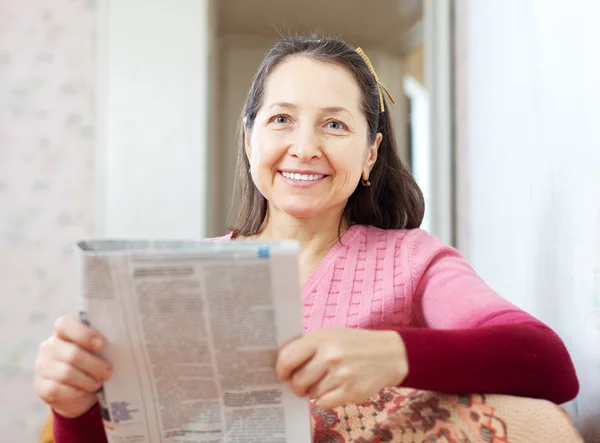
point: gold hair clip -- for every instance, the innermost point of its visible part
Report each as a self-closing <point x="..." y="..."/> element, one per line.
<point x="379" y="84"/>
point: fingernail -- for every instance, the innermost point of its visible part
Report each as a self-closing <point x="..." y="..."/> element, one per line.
<point x="96" y="343"/>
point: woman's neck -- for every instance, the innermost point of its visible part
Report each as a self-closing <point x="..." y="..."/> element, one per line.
<point x="316" y="236"/>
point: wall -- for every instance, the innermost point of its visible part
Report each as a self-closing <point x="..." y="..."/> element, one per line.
<point x="529" y="196"/>
<point x="104" y="131"/>
<point x="154" y="118"/>
<point x="415" y="64"/>
<point x="240" y="56"/>
<point x="47" y="130"/>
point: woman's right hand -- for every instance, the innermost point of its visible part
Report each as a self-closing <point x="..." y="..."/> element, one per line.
<point x="67" y="371"/>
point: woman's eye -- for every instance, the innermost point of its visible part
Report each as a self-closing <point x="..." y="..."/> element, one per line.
<point x="335" y="125"/>
<point x="281" y="119"/>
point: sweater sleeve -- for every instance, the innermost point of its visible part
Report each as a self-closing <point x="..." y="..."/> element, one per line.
<point x="472" y="340"/>
<point x="85" y="428"/>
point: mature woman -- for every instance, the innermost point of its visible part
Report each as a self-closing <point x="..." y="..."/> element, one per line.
<point x="385" y="303"/>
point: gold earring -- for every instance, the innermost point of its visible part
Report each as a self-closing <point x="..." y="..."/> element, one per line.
<point x="365" y="183"/>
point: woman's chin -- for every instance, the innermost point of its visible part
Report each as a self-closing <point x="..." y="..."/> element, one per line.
<point x="297" y="210"/>
<point x="305" y="208"/>
<point x="301" y="212"/>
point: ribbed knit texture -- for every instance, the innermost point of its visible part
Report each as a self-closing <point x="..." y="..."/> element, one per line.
<point x="360" y="284"/>
<point x="388" y="279"/>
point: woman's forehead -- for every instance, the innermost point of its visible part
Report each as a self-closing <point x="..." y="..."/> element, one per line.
<point x="303" y="81"/>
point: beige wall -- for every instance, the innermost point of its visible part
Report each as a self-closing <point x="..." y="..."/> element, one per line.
<point x="413" y="64"/>
<point x="239" y="58"/>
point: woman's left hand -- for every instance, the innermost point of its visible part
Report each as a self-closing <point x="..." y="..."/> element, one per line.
<point x="336" y="366"/>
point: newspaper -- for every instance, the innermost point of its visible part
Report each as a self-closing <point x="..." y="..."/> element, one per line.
<point x="193" y="330"/>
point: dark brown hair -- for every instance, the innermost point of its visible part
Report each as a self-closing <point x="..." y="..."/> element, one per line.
<point x="393" y="201"/>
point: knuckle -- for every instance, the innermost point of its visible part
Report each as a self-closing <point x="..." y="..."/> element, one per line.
<point x="53" y="392"/>
<point x="45" y="345"/>
<point x="334" y="355"/>
<point x="80" y="394"/>
<point x="298" y="385"/>
<point x="345" y="375"/>
<point x="38" y="365"/>
<point x="65" y="374"/>
<point x="61" y="322"/>
<point x="49" y="392"/>
<point x="71" y="354"/>
<point x="283" y="362"/>
<point x="284" y="357"/>
<point x="333" y="402"/>
<point x="90" y="386"/>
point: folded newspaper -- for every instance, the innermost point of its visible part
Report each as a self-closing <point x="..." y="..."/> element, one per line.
<point x="193" y="330"/>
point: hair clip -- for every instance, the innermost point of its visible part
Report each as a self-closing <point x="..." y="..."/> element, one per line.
<point x="380" y="86"/>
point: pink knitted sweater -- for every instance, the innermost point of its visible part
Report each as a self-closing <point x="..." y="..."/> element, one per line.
<point x="460" y="335"/>
<point x="388" y="279"/>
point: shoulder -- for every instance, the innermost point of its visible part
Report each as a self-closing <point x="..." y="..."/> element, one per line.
<point x="416" y="241"/>
<point x="415" y="249"/>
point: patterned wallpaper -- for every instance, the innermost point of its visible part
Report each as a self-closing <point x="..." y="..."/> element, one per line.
<point x="46" y="185"/>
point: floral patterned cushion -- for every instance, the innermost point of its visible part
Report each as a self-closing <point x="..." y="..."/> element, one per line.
<point x="408" y="415"/>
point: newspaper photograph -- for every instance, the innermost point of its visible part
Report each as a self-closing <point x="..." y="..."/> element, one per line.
<point x="193" y="330"/>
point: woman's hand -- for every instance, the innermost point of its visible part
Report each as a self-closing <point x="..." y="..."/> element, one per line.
<point x="336" y="366"/>
<point x="67" y="372"/>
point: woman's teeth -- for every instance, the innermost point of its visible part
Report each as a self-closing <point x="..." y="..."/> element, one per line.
<point x="302" y="177"/>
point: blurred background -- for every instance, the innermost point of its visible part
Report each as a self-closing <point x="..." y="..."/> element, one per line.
<point x="119" y="118"/>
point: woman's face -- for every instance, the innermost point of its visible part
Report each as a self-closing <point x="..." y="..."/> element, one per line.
<point x="308" y="147"/>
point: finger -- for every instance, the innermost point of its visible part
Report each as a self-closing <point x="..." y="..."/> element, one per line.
<point x="91" y="364"/>
<point x="328" y="383"/>
<point x="52" y="391"/>
<point x="298" y="337"/>
<point x="68" y="375"/>
<point x="307" y="376"/>
<point x="70" y="329"/>
<point x="333" y="398"/>
<point x="292" y="356"/>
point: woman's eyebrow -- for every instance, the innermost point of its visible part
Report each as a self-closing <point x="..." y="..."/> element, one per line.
<point x="283" y="105"/>
<point x="336" y="109"/>
<point x="325" y="108"/>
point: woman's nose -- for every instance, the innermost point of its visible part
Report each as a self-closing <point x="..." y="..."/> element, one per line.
<point x="307" y="145"/>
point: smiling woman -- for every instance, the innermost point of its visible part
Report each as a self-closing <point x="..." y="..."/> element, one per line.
<point x="306" y="155"/>
<point x="316" y="108"/>
<point x="385" y="303"/>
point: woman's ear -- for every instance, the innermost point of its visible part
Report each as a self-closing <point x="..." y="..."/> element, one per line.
<point x="246" y="137"/>
<point x="372" y="154"/>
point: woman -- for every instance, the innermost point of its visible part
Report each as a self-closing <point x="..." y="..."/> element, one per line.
<point x="385" y="303"/>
